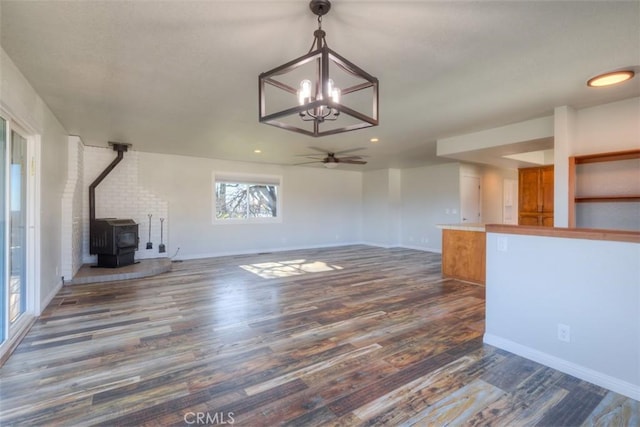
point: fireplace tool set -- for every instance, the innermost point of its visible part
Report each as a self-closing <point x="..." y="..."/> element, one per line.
<point x="161" y="247"/>
<point x="149" y="244"/>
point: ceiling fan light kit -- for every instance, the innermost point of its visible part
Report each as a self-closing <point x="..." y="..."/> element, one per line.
<point x="320" y="93"/>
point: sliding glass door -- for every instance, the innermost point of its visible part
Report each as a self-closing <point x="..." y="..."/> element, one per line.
<point x="17" y="225"/>
<point x="4" y="259"/>
<point x="13" y="230"/>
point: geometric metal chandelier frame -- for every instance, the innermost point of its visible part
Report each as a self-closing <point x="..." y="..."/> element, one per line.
<point x="323" y="102"/>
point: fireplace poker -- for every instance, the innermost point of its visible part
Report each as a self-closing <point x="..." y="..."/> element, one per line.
<point x="149" y="244"/>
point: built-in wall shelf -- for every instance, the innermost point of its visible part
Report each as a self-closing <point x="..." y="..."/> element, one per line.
<point x="611" y="180"/>
<point x="605" y="199"/>
<point x="607" y="157"/>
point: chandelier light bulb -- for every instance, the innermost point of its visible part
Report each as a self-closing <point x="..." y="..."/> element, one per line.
<point x="304" y="93"/>
<point x="335" y="95"/>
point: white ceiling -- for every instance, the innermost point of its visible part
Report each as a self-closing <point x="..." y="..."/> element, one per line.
<point x="181" y="76"/>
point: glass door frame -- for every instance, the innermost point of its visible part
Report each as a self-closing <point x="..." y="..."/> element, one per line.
<point x="11" y="332"/>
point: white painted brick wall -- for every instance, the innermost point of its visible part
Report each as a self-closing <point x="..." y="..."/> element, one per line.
<point x="72" y="211"/>
<point x="120" y="195"/>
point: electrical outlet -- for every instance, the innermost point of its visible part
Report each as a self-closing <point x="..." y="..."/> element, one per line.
<point x="502" y="244"/>
<point x="564" y="332"/>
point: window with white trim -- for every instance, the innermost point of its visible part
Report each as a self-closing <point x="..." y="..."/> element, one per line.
<point x="246" y="198"/>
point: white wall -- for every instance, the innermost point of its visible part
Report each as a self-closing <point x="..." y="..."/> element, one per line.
<point x="72" y="204"/>
<point x="381" y="207"/>
<point x="23" y="104"/>
<point x="428" y="193"/>
<point x="514" y="133"/>
<point x="320" y="207"/>
<point x="593" y="286"/>
<point x="493" y="193"/>
<point x="430" y="196"/>
<point x="608" y="127"/>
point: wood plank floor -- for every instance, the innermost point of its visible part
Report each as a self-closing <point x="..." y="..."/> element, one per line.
<point x="340" y="337"/>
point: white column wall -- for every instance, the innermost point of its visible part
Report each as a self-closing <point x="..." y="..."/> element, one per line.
<point x="72" y="201"/>
<point x="564" y="140"/>
<point x="592" y="286"/>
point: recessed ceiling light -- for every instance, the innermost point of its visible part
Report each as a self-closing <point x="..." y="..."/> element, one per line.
<point x="608" y="79"/>
<point x="374" y="140"/>
<point x="257" y="151"/>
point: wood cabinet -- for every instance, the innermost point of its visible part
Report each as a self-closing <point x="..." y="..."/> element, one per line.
<point x="606" y="186"/>
<point x="535" y="196"/>
<point x="463" y="255"/>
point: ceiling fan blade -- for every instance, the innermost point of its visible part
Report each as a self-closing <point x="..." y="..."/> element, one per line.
<point x="351" y="158"/>
<point x="348" y="151"/>
<point x="353" y="162"/>
<point x="306" y="163"/>
<point x="307" y="155"/>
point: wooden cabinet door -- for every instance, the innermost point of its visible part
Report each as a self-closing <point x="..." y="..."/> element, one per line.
<point x="528" y="220"/>
<point x="547" y="189"/>
<point x="547" y="220"/>
<point x="528" y="188"/>
<point x="535" y="196"/>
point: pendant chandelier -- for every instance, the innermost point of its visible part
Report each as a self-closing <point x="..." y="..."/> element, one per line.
<point x="320" y="93"/>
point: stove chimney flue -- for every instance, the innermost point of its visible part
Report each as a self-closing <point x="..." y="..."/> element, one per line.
<point x="121" y="148"/>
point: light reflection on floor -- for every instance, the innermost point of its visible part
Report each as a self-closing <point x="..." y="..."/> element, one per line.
<point x="279" y="269"/>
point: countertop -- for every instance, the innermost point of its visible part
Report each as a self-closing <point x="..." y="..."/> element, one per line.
<point x="463" y="226"/>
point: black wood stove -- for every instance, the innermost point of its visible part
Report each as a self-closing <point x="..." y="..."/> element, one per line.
<point x="113" y="240"/>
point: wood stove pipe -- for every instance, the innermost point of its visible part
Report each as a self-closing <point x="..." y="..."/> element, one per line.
<point x="120" y="148"/>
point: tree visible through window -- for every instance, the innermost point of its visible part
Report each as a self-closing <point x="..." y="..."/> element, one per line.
<point x="236" y="200"/>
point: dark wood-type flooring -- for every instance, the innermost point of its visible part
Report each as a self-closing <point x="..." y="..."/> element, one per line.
<point x="343" y="336"/>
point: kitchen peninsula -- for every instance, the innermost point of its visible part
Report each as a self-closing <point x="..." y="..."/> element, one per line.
<point x="463" y="252"/>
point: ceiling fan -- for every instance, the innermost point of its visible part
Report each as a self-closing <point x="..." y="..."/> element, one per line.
<point x="331" y="159"/>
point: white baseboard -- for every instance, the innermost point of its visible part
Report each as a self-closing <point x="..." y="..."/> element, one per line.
<point x="44" y="303"/>
<point x="422" y="248"/>
<point x="378" y="245"/>
<point x="603" y="380"/>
